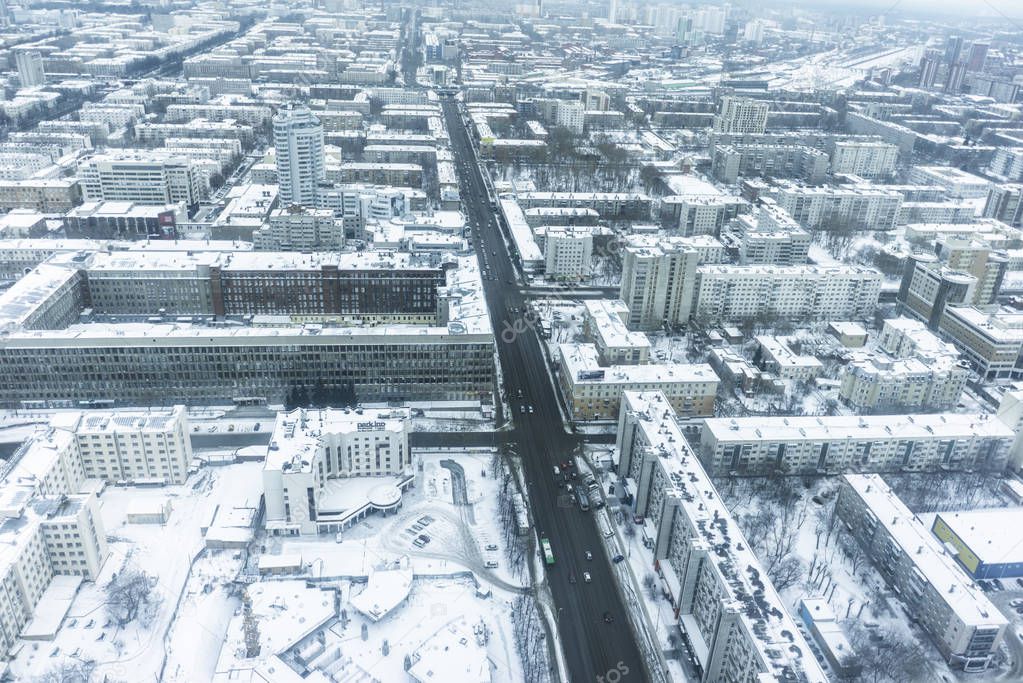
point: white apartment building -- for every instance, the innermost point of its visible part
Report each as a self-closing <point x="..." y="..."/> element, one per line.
<point x="701" y="215"/>
<point x="659" y="277"/>
<point x="1005" y="203"/>
<point x="605" y="322"/>
<point x="571" y="115"/>
<point x="22" y="165"/>
<point x="144" y="179"/>
<point x="957" y="183"/>
<point x="299" y="228"/>
<point x="30" y="67"/>
<point x="914" y="370"/>
<point x="568" y="251"/>
<point x="594" y="392"/>
<point x="151" y="445"/>
<point x="1007" y="163"/>
<point x="298" y="144"/>
<point x="735" y="623"/>
<point x="831" y="208"/>
<point x="865" y="159"/>
<point x="326" y="469"/>
<point x="845" y="443"/>
<point x="741" y="115"/>
<point x="725" y="292"/>
<point x="111" y="116"/>
<point x="966" y="627"/>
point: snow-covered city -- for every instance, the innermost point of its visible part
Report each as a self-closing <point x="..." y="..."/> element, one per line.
<point x="553" y="342"/>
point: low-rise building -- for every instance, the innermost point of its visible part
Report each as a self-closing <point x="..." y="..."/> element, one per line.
<point x="982" y="547"/>
<point x="594" y="392"/>
<point x="604" y="321"/>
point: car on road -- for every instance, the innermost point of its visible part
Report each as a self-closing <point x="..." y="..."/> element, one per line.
<point x="586" y="577"/>
<point x="491" y="564"/>
<point x="522" y="409"/>
<point x="510" y="281"/>
<point x="589" y="556"/>
<point x="608" y="619"/>
<point x="530" y="409"/>
<point x="491" y="547"/>
<point x="618" y="558"/>
<point x="571" y="578"/>
<point x="556" y="471"/>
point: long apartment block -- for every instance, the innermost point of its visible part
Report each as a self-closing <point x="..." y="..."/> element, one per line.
<point x="965" y="626"/>
<point x="866" y="443"/>
<point x="732" y="617"/>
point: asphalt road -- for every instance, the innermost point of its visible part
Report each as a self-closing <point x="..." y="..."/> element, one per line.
<point x="592" y="647"/>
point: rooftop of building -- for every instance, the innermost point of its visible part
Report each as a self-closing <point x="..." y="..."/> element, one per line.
<point x="297" y="434"/>
<point x="856" y="427"/>
<point x="984" y="532"/>
<point x="582" y="364"/>
<point x="928" y="554"/>
<point x="762" y="610"/>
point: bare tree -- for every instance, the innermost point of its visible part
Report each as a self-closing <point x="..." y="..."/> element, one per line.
<point x="130" y="596"/>
<point x="67" y="671"/>
<point x="530" y="639"/>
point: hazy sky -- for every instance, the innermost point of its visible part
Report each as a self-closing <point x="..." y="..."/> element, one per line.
<point x="985" y="8"/>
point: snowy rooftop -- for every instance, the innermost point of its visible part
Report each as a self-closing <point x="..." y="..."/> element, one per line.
<point x="34" y="289"/>
<point x="385" y="590"/>
<point x="155" y="420"/>
<point x="581" y="364"/>
<point x="760" y="608"/>
<point x="604" y="317"/>
<point x="984" y="531"/>
<point x="522" y="235"/>
<point x="454" y="653"/>
<point x="856" y="427"/>
<point x="296" y="435"/>
<point x="928" y="554"/>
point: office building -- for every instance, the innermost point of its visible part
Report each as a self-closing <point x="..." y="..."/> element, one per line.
<point x="327" y="469"/>
<point x="124" y="220"/>
<point x="746" y="446"/>
<point x="732" y="619"/>
<point x="735" y="293"/>
<point x="966" y="628"/>
<point x="149" y="179"/>
<point x="928" y="287"/>
<point x="741" y="115"/>
<point x="977" y="57"/>
<point x="30" y="67"/>
<point x="384" y="328"/>
<point x="594" y="392"/>
<point x="298" y="147"/>
<point x="982" y="548"/>
<point x="992" y="341"/>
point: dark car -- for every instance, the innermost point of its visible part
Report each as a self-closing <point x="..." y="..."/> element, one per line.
<point x="608" y="618"/>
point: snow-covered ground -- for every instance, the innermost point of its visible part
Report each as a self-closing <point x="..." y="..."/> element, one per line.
<point x="199" y="592"/>
<point x="166" y="552"/>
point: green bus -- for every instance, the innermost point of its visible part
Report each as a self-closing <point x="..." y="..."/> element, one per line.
<point x="548" y="556"/>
